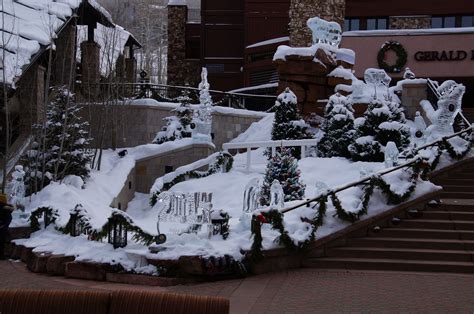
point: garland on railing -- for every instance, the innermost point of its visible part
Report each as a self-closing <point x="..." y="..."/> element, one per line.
<point x="224" y="159"/>
<point x="49" y="215"/>
<point x="421" y="168"/>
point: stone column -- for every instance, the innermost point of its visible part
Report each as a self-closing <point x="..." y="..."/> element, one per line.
<point x="412" y="95"/>
<point x="31" y="96"/>
<point x="177" y="15"/>
<point x="302" y="10"/>
<point x="90" y="60"/>
<point x="409" y="22"/>
<point x="64" y="67"/>
<point x="120" y="68"/>
<point x="131" y="70"/>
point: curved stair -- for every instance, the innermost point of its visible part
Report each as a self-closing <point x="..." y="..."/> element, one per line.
<point x="438" y="238"/>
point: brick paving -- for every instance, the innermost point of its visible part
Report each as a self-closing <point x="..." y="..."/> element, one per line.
<point x="299" y="291"/>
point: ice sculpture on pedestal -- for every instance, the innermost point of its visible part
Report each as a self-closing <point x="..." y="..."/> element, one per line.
<point x="251" y="196"/>
<point x="203" y="116"/>
<point x="391" y="155"/>
<point x="325" y="32"/>
<point x="277" y="196"/>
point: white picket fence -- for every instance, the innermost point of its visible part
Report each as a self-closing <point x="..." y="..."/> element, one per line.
<point x="269" y="144"/>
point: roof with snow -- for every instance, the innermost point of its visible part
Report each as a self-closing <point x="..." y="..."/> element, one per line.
<point x="29" y="26"/>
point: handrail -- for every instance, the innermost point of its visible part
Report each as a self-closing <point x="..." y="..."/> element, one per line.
<point x="193" y="89"/>
<point x="353" y="184"/>
<point x="380" y="173"/>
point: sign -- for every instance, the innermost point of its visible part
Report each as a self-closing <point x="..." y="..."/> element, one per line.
<point x="451" y="55"/>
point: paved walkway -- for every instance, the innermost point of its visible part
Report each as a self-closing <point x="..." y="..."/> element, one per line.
<point x="300" y="291"/>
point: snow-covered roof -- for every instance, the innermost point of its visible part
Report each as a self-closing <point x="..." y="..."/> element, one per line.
<point x="29" y="25"/>
<point x="410" y="32"/>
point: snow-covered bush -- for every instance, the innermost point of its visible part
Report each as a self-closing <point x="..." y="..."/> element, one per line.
<point x="288" y="124"/>
<point x="338" y="128"/>
<point x="283" y="167"/>
<point x="60" y="146"/>
<point x="178" y="126"/>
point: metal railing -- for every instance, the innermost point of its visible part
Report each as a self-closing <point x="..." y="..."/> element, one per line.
<point x="380" y="173"/>
<point x="170" y="93"/>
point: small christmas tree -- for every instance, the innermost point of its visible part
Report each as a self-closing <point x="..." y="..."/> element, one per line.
<point x="338" y="128"/>
<point x="284" y="168"/>
<point x="60" y="147"/>
<point x="382" y="122"/>
<point x="288" y="124"/>
<point x="178" y="126"/>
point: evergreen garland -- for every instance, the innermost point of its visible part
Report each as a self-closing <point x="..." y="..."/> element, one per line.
<point x="224" y="159"/>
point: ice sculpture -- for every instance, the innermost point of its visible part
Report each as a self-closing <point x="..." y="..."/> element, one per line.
<point x="449" y="105"/>
<point x="391" y="155"/>
<point x="203" y="116"/>
<point x="277" y="196"/>
<point x="321" y="188"/>
<point x="17" y="188"/>
<point x="376" y="78"/>
<point x="251" y="196"/>
<point x="325" y="32"/>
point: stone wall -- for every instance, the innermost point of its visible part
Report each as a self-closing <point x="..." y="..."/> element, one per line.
<point x="138" y="124"/>
<point x="147" y="170"/>
<point x="302" y="10"/>
<point x="409" y="22"/>
<point x="142" y="177"/>
<point x="181" y="71"/>
<point x="412" y="94"/>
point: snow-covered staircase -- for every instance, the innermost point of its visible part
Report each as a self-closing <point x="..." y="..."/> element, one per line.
<point x="439" y="238"/>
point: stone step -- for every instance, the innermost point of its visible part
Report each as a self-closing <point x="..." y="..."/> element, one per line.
<point x="412" y="243"/>
<point x="462" y="195"/>
<point x="389" y="264"/>
<point x="437" y="224"/>
<point x="459" y="188"/>
<point x="401" y="253"/>
<point x="424" y="233"/>
<point x="448" y="215"/>
<point x="447" y="204"/>
<point x="452" y="181"/>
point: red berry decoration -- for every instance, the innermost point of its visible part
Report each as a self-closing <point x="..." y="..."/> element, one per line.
<point x="262" y="219"/>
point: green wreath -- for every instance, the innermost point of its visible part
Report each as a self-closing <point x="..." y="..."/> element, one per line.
<point x="401" y="57"/>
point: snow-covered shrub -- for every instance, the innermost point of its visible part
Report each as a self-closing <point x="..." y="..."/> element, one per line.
<point x="288" y="124"/>
<point x="284" y="168"/>
<point x="60" y="147"/>
<point x="338" y="128"/>
<point x="178" y="126"/>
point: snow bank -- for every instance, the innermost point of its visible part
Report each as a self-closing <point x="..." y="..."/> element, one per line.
<point x="258" y="131"/>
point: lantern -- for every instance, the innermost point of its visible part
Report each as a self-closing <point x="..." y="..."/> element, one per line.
<point x="117" y="233"/>
<point x="75" y="225"/>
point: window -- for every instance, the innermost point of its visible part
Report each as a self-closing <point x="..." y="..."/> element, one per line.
<point x="376" y="23"/>
<point x="467" y="21"/>
<point x="452" y="21"/>
<point x="352" y="24"/>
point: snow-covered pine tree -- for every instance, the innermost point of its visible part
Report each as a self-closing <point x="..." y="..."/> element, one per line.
<point x="284" y="168"/>
<point x="61" y="149"/>
<point x="180" y="125"/>
<point x="338" y="128"/>
<point x="382" y="122"/>
<point x="288" y="124"/>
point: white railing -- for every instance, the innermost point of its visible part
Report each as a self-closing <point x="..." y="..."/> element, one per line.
<point x="269" y="144"/>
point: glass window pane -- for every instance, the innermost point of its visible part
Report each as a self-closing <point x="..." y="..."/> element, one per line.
<point x="355" y="24"/>
<point x="436" y="22"/>
<point x="371" y="24"/>
<point x="467" y="21"/>
<point x="382" y="24"/>
<point x="449" y="22"/>
<point x="346" y="25"/>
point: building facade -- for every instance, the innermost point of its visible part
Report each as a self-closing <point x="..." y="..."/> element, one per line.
<point x="236" y="40"/>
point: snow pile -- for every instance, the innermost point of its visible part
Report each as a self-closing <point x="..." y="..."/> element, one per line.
<point x="342" y="73"/>
<point x="258" y="131"/>
<point x="341" y="54"/>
